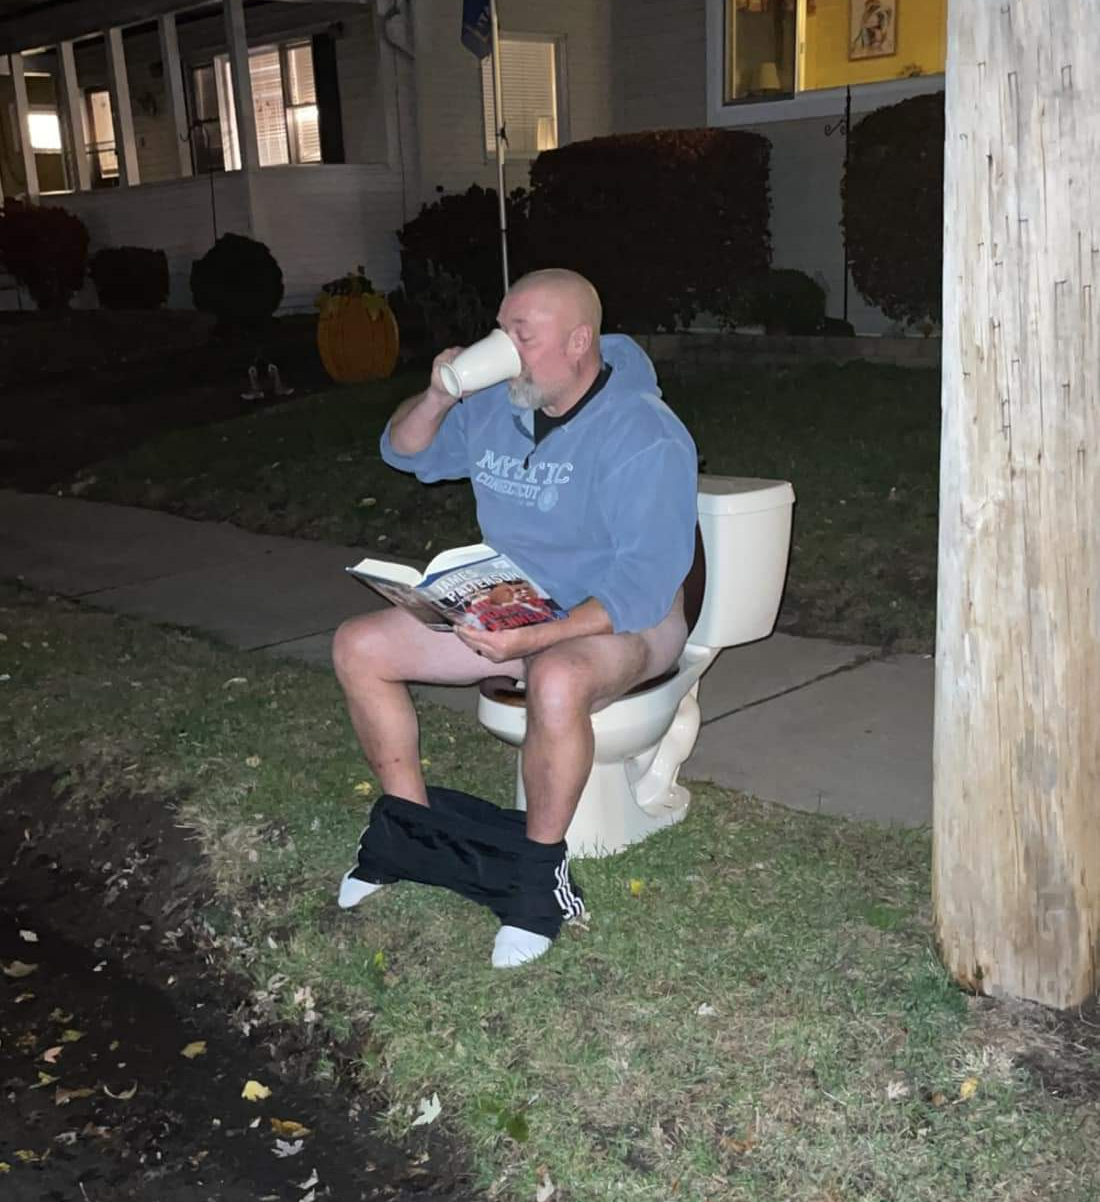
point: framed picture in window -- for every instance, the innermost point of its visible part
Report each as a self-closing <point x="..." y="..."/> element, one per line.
<point x="873" y="28"/>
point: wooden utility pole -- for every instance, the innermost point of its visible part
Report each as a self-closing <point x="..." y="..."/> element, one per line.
<point x="1017" y="738"/>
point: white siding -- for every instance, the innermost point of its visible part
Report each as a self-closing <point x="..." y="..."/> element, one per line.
<point x="174" y="217"/>
<point x="323" y="221"/>
<point x="660" y="63"/>
<point x="448" y="81"/>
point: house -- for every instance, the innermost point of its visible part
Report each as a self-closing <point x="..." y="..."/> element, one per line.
<point x="321" y="126"/>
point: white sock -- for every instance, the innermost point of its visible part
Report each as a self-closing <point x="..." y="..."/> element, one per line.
<point x="353" y="890"/>
<point x="514" y="946"/>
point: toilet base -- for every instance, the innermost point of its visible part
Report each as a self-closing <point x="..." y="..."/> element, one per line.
<point x="608" y="817"/>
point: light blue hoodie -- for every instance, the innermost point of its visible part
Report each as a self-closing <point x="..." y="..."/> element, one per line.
<point x="605" y="506"/>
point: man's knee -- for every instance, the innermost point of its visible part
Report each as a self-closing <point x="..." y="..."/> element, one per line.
<point x="558" y="686"/>
<point x="358" y="647"/>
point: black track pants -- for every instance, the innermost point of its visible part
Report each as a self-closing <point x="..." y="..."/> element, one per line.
<point x="475" y="848"/>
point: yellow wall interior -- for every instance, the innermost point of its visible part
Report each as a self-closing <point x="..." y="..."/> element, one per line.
<point x="919" y="35"/>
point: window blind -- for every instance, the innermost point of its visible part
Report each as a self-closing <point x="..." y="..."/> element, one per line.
<point x="529" y="83"/>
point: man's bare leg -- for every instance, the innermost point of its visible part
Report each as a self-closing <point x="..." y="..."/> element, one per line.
<point x="374" y="655"/>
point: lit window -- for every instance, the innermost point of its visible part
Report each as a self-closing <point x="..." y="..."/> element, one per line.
<point x="45" y="131"/>
<point x="99" y="135"/>
<point x="775" y="48"/>
<point x="528" y="70"/>
<point x="284" y="101"/>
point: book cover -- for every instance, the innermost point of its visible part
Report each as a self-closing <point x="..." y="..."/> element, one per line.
<point x="466" y="586"/>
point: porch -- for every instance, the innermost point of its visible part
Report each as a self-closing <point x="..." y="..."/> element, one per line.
<point x="176" y="123"/>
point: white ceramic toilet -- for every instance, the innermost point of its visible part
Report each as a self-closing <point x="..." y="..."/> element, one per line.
<point x="731" y="597"/>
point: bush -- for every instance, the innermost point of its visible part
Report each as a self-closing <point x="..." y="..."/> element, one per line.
<point x="130" y="277"/>
<point x="662" y="223"/>
<point x="46" y="249"/>
<point x="237" y="280"/>
<point x="457" y="238"/>
<point x="893" y="208"/>
<point x="783" y="301"/>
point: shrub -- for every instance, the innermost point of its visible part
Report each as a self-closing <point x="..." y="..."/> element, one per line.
<point x="893" y="208"/>
<point x="130" y="277"/>
<point x="458" y="238"/>
<point x="453" y="312"/>
<point x="237" y="280"/>
<point x="662" y="223"/>
<point x="783" y="301"/>
<point x="46" y="249"/>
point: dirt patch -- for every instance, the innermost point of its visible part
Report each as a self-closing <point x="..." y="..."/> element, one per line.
<point x="98" y="1101"/>
<point x="1060" y="1050"/>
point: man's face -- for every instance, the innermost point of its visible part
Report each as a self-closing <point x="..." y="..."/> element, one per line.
<point x="537" y="322"/>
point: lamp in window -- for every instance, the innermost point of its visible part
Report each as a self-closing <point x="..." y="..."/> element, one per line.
<point x="546" y="134"/>
<point x="767" y="78"/>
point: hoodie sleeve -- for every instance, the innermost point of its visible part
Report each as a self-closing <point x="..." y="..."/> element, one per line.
<point x="445" y="458"/>
<point x="651" y="509"/>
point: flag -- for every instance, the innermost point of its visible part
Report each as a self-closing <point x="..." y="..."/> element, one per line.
<point x="477" y="35"/>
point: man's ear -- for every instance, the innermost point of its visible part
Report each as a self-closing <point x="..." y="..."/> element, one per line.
<point x="580" y="340"/>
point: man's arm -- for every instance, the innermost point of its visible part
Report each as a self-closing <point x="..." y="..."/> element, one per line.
<point x="416" y="421"/>
<point x="589" y="617"/>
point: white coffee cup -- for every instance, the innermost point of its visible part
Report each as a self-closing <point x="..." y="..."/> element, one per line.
<point x="489" y="361"/>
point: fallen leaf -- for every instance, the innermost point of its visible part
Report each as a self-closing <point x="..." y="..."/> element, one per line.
<point x="113" y="1046"/>
<point x="18" y="969"/>
<point x="737" y="1146"/>
<point x="4" y="1167"/>
<point x="284" y="1148"/>
<point x="57" y="1015"/>
<point x="62" y="1097"/>
<point x="968" y="1088"/>
<point x="425" y="763"/>
<point x="50" y="1055"/>
<point x="253" y="761"/>
<point x="198" y="1048"/>
<point x="24" y="997"/>
<point x="66" y="1139"/>
<point x="255" y="1092"/>
<point x="636" y="887"/>
<point x="44" y="1079"/>
<point x="28" y="936"/>
<point x="706" y="1010"/>
<point x="896" y="1090"/>
<point x="255" y="1122"/>
<point x="235" y="680"/>
<point x="429" y="1111"/>
<point x="364" y="788"/>
<point x="70" y="1035"/>
<point x="26" y="1155"/>
<point x="545" y="1189"/>
<point x="310" y="1181"/>
<point x="124" y="1096"/>
<point x="938" y="1099"/>
<point x="289" y="1128"/>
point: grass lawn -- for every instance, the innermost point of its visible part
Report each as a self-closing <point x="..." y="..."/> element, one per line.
<point x="860" y="444"/>
<point x="753" y="1010"/>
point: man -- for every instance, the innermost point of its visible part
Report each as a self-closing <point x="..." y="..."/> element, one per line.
<point x="587" y="480"/>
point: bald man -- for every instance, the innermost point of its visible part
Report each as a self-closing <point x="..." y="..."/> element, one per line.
<point x="587" y="480"/>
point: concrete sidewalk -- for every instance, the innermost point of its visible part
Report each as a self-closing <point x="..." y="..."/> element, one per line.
<point x="816" y="725"/>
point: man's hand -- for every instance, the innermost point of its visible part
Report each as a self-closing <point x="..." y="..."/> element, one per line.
<point x="500" y="645"/>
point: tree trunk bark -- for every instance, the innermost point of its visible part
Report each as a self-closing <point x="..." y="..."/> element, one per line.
<point x="1016" y="846"/>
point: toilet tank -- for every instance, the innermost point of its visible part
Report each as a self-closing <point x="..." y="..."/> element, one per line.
<point x="746" y="527"/>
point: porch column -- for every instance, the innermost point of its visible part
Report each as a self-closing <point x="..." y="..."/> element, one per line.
<point x="73" y="116"/>
<point x="122" y="113"/>
<point x="237" y="38"/>
<point x="173" y="90"/>
<point x="22" y="119"/>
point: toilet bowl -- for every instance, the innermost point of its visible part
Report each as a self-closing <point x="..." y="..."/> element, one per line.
<point x="732" y="597"/>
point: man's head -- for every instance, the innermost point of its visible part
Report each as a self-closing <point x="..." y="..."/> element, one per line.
<point x="553" y="317"/>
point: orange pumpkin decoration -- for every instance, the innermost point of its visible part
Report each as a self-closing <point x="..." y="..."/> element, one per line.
<point x="357" y="337"/>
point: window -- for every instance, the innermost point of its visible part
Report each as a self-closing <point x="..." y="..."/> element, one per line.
<point x="99" y="136"/>
<point x="45" y="130"/>
<point x="529" y="81"/>
<point x="284" y="102"/>
<point x="777" y="48"/>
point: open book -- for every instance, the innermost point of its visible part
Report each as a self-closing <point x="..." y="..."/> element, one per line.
<point x="465" y="586"/>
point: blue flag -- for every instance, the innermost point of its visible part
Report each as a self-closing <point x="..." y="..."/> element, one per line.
<point x="477" y="35"/>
